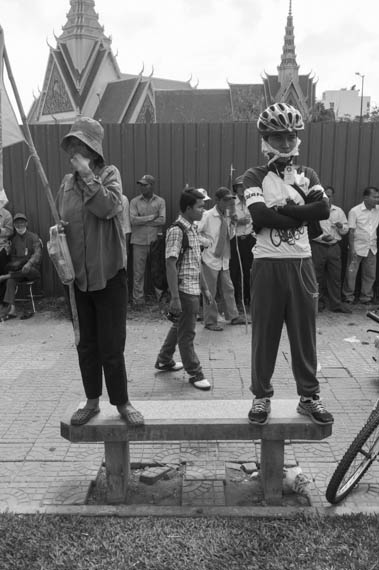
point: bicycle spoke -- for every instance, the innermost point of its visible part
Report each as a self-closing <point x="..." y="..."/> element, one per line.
<point x="358" y="458"/>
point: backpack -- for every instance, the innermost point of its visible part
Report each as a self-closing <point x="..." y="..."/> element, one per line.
<point x="158" y="257"/>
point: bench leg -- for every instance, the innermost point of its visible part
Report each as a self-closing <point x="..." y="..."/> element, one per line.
<point x="117" y="465"/>
<point x="272" y="463"/>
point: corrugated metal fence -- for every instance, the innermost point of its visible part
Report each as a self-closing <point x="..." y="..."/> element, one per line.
<point x="344" y="155"/>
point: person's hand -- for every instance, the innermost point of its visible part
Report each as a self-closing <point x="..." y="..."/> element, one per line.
<point x="208" y="297"/>
<point x="81" y="164"/>
<point x="26" y="268"/>
<point x="62" y="226"/>
<point x="175" y="306"/>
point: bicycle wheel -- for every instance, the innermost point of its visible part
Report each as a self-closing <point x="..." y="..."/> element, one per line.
<point x="358" y="458"/>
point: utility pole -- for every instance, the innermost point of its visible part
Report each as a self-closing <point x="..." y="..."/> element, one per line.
<point x="362" y="84"/>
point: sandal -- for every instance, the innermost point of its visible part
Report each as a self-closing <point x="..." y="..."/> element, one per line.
<point x="8" y="317"/>
<point x="214" y="327"/>
<point x="132" y="416"/>
<point x="238" y="321"/>
<point x="83" y="415"/>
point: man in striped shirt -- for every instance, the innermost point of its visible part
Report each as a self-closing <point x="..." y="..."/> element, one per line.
<point x="185" y="283"/>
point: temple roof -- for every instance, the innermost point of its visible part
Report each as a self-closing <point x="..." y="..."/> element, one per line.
<point x="197" y="106"/>
<point x="83" y="76"/>
<point x="161" y="83"/>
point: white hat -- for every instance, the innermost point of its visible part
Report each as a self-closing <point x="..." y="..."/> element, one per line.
<point x="204" y="193"/>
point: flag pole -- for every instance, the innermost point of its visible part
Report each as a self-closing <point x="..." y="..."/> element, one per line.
<point x="42" y="174"/>
<point x="28" y="137"/>
<point x="231" y="174"/>
<point x="1" y="109"/>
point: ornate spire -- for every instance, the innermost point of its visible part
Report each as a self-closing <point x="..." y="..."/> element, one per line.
<point x="81" y="33"/>
<point x="288" y="61"/>
<point x="82" y="22"/>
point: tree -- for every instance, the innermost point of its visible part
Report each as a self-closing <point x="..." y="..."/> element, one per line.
<point x="373" y="116"/>
<point x="320" y="114"/>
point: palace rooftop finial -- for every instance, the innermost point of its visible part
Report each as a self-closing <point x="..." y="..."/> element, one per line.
<point x="288" y="59"/>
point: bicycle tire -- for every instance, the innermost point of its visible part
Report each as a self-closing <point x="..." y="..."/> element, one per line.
<point x="356" y="461"/>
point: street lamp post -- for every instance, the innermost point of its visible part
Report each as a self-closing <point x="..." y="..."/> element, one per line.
<point x="362" y="82"/>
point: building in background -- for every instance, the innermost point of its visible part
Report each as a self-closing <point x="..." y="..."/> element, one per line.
<point x="346" y="103"/>
<point x="83" y="77"/>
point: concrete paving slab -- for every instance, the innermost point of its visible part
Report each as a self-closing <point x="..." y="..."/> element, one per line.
<point x="40" y="379"/>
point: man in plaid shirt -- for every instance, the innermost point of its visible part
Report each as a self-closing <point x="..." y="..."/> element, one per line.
<point x="185" y="283"/>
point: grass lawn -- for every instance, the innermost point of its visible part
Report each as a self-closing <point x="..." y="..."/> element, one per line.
<point x="45" y="542"/>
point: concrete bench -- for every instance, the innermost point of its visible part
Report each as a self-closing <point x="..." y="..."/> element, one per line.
<point x="196" y="420"/>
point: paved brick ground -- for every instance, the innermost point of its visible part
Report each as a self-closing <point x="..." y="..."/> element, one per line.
<point x="40" y="380"/>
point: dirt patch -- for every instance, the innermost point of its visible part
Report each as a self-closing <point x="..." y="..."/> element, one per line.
<point x="165" y="492"/>
<point x="235" y="489"/>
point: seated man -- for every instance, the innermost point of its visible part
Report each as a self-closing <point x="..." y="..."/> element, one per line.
<point x="25" y="259"/>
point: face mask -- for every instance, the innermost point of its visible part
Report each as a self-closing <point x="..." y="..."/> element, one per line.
<point x="20" y="231"/>
<point x="272" y="154"/>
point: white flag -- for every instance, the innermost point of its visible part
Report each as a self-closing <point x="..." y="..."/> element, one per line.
<point x="3" y="198"/>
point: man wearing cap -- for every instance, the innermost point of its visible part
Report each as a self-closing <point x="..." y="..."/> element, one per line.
<point x="90" y="205"/>
<point x="25" y="260"/>
<point x="147" y="217"/>
<point x="241" y="259"/>
<point x="218" y="227"/>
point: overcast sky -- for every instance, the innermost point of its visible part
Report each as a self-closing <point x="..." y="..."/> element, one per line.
<point x="214" y="40"/>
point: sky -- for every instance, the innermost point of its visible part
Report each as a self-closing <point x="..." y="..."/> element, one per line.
<point x="214" y="41"/>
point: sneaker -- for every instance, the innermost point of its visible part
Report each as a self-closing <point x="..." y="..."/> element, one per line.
<point x="198" y="381"/>
<point x="260" y="411"/>
<point x="171" y="366"/>
<point x="315" y="409"/>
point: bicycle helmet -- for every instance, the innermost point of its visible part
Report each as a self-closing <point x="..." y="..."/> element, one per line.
<point x="279" y="118"/>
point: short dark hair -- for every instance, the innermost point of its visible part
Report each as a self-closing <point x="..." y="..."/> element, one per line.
<point x="188" y="198"/>
<point x="367" y="190"/>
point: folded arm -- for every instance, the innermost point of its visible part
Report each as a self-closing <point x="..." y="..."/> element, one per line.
<point x="264" y="217"/>
<point x="307" y="212"/>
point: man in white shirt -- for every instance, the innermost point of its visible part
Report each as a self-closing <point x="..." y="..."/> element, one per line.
<point x="326" y="256"/>
<point x="218" y="227"/>
<point x="363" y="224"/>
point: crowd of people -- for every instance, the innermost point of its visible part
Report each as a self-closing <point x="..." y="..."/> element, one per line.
<point x="271" y="244"/>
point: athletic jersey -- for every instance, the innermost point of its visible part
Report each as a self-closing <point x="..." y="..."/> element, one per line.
<point x="264" y="185"/>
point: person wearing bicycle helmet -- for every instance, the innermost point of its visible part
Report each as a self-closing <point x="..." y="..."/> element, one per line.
<point x="283" y="199"/>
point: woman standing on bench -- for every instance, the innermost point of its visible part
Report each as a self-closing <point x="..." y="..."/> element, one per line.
<point x="89" y="202"/>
